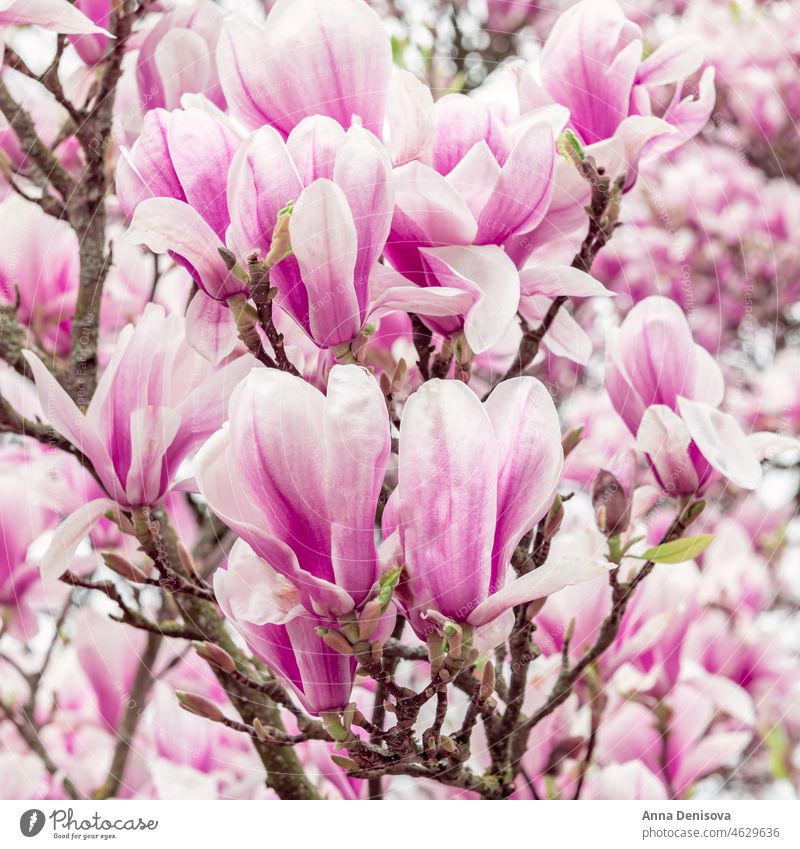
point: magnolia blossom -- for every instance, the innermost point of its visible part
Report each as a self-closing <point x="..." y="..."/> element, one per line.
<point x="156" y="401"/>
<point x="297" y="474"/>
<point x="593" y="64"/>
<point x="472" y="481"/>
<point x="668" y="390"/>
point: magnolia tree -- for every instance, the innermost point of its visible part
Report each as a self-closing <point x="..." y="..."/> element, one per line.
<point x="342" y="456"/>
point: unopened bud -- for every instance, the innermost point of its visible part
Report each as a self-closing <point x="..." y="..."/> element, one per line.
<point x="488" y="680"/>
<point x="400" y="376"/>
<point x="337" y="642"/>
<point x="281" y="245"/>
<point x="368" y="622"/>
<point x="376" y="652"/>
<point x="571" y="439"/>
<point x="453" y="634"/>
<point x="534" y="607"/>
<point x="124" y="568"/>
<point x="200" y="706"/>
<point x="215" y="655"/>
<point x="612" y="505"/>
<point x="228" y="257"/>
<point x="570" y="148"/>
<point x="345" y="763"/>
<point x="693" y="511"/>
<point x="553" y="520"/>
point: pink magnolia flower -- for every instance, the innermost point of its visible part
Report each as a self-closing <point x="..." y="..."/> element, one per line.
<point x="473" y="479"/>
<point x="337" y="64"/>
<point x="484" y="183"/>
<point x="668" y="390"/>
<point x="267" y="611"/>
<point x="297" y="475"/>
<point x="343" y="198"/>
<point x="157" y="400"/>
<point x="593" y="64"/>
<point x="340" y="185"/>
<point x="205" y="198"/>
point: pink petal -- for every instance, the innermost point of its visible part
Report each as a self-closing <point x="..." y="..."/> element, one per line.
<point x="523" y="190"/>
<point x="722" y="442"/>
<point x="410" y="117"/>
<point x="530" y="460"/>
<point x="665" y="439"/>
<point x="447" y="499"/>
<point x="68" y="536"/>
<point x="168" y="225"/>
<point x="357" y="445"/>
<point x="556" y="280"/>
<point x="210" y="328"/>
<point x="554" y="575"/>
<point x="675" y="59"/>
<point x="152" y="430"/>
<point x="363" y="172"/>
<point x="262" y="179"/>
<point x="201" y="149"/>
<point x="433" y="205"/>
<point x="488" y="272"/>
<point x="325" y="243"/>
<point x="54" y="15"/>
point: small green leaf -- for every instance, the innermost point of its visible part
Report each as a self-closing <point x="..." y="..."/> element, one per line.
<point x="386" y="586"/>
<point x="678" y="550"/>
<point x="570" y="147"/>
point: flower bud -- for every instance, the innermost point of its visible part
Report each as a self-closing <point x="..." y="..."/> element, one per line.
<point x="553" y="520"/>
<point x="215" y="655"/>
<point x="124" y="568"/>
<point x="200" y="706"/>
<point x="612" y="494"/>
